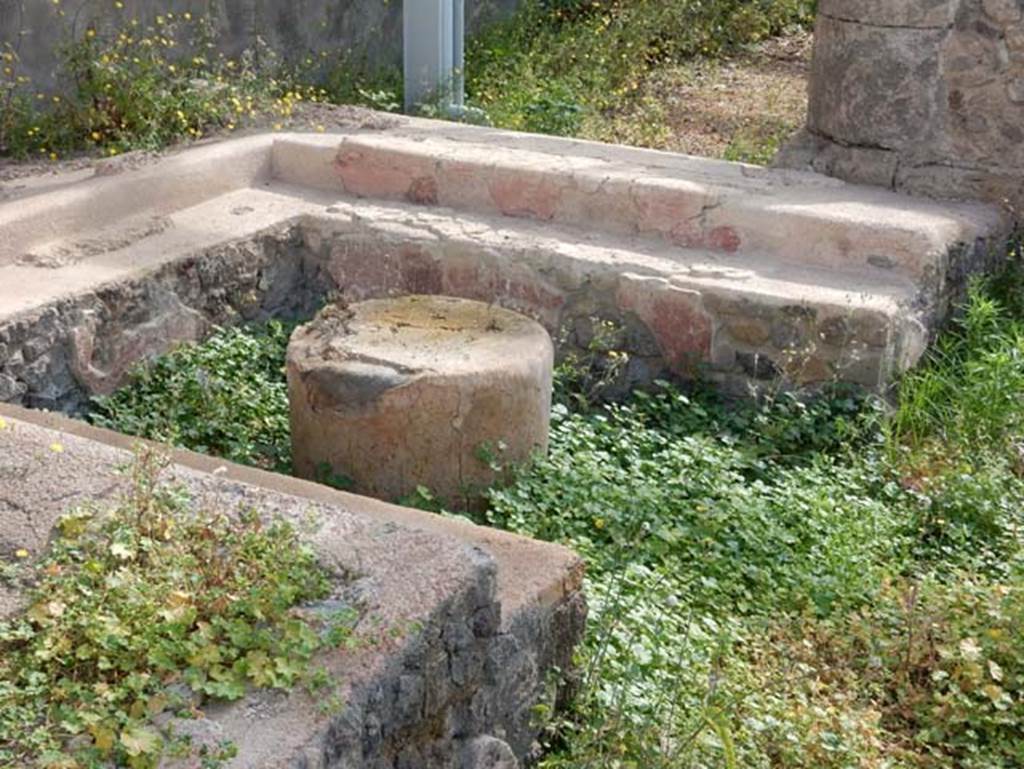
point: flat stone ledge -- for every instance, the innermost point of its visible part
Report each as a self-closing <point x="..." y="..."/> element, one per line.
<point x="434" y="674"/>
<point x="722" y="270"/>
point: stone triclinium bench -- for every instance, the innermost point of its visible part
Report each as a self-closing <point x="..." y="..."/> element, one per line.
<point x="742" y="275"/>
<point x="739" y="274"/>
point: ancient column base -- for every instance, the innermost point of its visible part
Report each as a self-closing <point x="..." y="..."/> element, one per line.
<point x="391" y="395"/>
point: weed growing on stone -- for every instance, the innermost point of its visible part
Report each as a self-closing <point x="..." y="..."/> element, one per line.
<point x="591" y="369"/>
<point x="139" y="612"/>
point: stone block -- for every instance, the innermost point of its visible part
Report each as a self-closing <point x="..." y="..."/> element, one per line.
<point x="675" y="317"/>
<point x="423" y="583"/>
<point x="1003" y="12"/>
<point x="875" y="87"/>
<point x="401" y="394"/>
<point x="923" y="14"/>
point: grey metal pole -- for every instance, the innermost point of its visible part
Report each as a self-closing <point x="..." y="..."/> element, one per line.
<point x="423" y="50"/>
<point x="459" y="55"/>
<point x="434" y="53"/>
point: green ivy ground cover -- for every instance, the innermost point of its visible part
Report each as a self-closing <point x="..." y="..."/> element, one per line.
<point x="798" y="584"/>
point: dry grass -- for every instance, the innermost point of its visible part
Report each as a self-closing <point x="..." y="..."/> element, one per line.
<point x="740" y="108"/>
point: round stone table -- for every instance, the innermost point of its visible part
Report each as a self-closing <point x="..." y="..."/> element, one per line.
<point x="390" y="395"/>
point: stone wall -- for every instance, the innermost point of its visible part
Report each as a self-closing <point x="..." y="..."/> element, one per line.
<point x="364" y="28"/>
<point x="925" y="96"/>
<point x="59" y="356"/>
<point x="463" y="631"/>
<point x="749" y="278"/>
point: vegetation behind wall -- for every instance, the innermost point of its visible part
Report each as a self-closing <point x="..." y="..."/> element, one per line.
<point x="557" y="66"/>
<point x="567" y="67"/>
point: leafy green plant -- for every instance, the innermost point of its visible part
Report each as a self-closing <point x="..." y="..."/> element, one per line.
<point x="562" y="66"/>
<point x="558" y="66"/>
<point x="350" y="81"/>
<point x="326" y="475"/>
<point x="555" y="111"/>
<point x="142" y="87"/>
<point x="969" y="395"/>
<point x="590" y="368"/>
<point x="226" y="396"/>
<point x="143" y="600"/>
<point x="792" y="583"/>
<point x="795" y="583"/>
<point x="15" y="104"/>
<point x="928" y="675"/>
<point x="756" y="148"/>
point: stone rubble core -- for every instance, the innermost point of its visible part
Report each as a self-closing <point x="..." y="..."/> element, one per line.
<point x="461" y="629"/>
<point x="744" y="275"/>
<point x="925" y="96"/>
<point x="398" y="394"/>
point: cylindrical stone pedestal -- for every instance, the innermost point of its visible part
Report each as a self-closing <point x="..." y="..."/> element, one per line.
<point x="394" y="394"/>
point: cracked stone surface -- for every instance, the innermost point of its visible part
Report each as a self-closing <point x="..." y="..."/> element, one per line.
<point x="397" y="394"/>
<point x="925" y="96"/>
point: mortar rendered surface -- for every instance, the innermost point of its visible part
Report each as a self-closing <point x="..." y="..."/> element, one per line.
<point x="746" y="277"/>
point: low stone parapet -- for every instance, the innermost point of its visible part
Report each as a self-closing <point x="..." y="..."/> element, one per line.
<point x="461" y="628"/>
